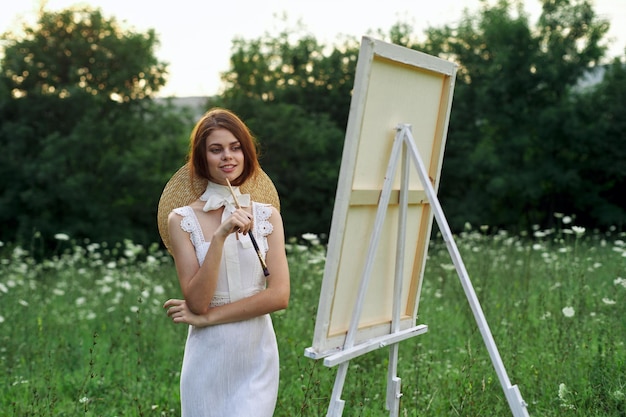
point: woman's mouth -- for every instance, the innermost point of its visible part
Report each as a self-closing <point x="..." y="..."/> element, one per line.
<point x="228" y="168"/>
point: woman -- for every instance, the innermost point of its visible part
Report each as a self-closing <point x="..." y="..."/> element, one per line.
<point x="230" y="364"/>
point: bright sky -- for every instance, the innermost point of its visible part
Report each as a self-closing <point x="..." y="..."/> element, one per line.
<point x="196" y="35"/>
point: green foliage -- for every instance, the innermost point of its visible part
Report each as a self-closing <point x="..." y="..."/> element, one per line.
<point x="511" y="155"/>
<point x="309" y="182"/>
<point x="83" y="333"/>
<point x="291" y="67"/>
<point x="599" y="124"/>
<point x="295" y="98"/>
<point x="85" y="151"/>
<point x="79" y="50"/>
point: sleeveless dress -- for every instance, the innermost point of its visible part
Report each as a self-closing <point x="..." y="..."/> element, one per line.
<point x="231" y="370"/>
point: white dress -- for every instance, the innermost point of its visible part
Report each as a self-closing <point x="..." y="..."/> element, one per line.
<point x="231" y="370"/>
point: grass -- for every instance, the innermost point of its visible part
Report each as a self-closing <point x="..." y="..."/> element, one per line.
<point x="83" y="333"/>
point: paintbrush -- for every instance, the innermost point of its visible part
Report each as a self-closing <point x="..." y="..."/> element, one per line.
<point x="266" y="272"/>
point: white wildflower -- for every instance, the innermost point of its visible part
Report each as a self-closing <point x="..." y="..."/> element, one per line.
<point x="159" y="289"/>
<point x="80" y="301"/>
<point x="545" y="316"/>
<point x="568" y="311"/>
<point x="618" y="281"/>
<point x="618" y="395"/>
<point x="564" y="393"/>
<point x="24" y="303"/>
<point x="310" y="237"/>
<point x="447" y="267"/>
<point x="566" y="220"/>
<point x="578" y="230"/>
<point x="608" y="301"/>
<point x="1" y="319"/>
<point x="61" y="236"/>
<point x="108" y="279"/>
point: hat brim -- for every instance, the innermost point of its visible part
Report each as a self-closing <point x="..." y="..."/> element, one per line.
<point x="181" y="191"/>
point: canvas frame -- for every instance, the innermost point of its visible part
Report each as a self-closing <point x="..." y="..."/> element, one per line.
<point x="393" y="85"/>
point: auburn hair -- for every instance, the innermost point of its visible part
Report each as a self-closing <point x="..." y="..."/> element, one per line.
<point x="218" y="118"/>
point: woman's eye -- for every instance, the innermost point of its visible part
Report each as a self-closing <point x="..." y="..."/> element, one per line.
<point x="215" y="150"/>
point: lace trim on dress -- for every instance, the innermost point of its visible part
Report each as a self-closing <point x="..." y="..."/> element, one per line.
<point x="219" y="300"/>
<point x="262" y="226"/>
<point x="189" y="224"/>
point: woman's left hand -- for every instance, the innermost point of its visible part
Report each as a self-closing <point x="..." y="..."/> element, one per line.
<point x="178" y="311"/>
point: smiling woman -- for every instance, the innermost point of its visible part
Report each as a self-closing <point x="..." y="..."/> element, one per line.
<point x="227" y="295"/>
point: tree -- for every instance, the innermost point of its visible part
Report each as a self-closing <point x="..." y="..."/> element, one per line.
<point x="80" y="51"/>
<point x="86" y="150"/>
<point x="296" y="99"/>
<point x="512" y="158"/>
<point x="505" y="164"/>
<point x="598" y="123"/>
<point x="300" y="72"/>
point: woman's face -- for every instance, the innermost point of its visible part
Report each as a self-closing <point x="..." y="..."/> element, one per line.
<point x="224" y="156"/>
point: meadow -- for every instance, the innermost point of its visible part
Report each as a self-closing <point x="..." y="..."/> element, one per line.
<point x="83" y="333"/>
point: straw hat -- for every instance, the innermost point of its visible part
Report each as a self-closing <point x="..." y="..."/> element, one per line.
<point x="181" y="191"/>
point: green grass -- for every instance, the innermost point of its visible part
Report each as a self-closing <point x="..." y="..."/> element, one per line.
<point x="84" y="334"/>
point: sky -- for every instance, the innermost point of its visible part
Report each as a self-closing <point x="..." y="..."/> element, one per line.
<point x="196" y="35"/>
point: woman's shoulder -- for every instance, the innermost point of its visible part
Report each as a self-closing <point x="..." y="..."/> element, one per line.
<point x="186" y="210"/>
<point x="266" y="210"/>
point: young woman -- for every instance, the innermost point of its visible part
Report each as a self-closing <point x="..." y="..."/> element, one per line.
<point x="230" y="365"/>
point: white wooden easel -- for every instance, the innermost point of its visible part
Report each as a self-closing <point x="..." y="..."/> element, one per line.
<point x="404" y="144"/>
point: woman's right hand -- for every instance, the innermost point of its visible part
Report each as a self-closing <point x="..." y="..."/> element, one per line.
<point x="240" y="221"/>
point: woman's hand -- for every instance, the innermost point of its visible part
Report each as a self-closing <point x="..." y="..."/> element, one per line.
<point x="240" y="221"/>
<point x="178" y="311"/>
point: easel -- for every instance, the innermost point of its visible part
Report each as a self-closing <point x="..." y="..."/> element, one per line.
<point x="404" y="145"/>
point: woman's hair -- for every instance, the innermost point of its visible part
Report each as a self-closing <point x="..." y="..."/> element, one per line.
<point x="212" y="120"/>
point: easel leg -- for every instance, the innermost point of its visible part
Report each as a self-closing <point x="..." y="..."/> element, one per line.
<point x="335" y="409"/>
<point x="393" y="383"/>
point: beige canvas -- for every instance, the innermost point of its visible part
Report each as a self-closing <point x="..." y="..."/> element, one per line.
<point x="393" y="85"/>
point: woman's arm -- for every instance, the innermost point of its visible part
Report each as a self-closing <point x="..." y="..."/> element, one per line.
<point x="273" y="298"/>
